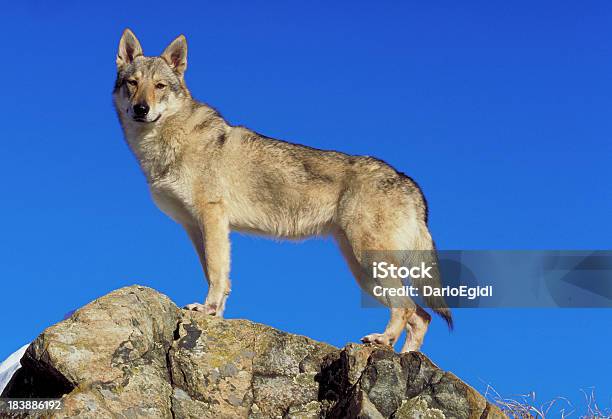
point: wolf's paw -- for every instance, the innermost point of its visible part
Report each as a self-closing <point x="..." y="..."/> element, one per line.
<point x="380" y="338"/>
<point x="204" y="308"/>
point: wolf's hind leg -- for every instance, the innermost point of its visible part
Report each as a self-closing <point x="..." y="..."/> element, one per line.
<point x="401" y="308"/>
<point x="394" y="328"/>
<point x="416" y="329"/>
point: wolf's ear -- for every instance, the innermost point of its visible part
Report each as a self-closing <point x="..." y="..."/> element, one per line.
<point x="129" y="48"/>
<point x="175" y="54"/>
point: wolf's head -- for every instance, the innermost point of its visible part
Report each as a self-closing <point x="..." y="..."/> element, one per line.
<point x="149" y="88"/>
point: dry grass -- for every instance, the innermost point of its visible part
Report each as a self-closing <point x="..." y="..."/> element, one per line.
<point x="525" y="406"/>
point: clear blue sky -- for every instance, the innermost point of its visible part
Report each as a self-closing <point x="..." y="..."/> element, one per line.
<point x="501" y="111"/>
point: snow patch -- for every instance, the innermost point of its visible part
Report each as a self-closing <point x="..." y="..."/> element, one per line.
<point x="9" y="367"/>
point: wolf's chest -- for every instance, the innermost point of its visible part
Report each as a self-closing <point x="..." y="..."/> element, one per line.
<point x="174" y="200"/>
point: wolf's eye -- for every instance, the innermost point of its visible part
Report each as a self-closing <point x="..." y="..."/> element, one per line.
<point x="132" y="82"/>
<point x="160" y="86"/>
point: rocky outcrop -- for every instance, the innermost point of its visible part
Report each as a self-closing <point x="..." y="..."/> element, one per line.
<point x="133" y="353"/>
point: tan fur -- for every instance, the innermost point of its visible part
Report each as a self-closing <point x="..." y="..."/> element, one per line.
<point x="212" y="177"/>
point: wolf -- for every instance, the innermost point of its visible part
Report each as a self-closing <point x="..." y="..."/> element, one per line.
<point x="212" y="177"/>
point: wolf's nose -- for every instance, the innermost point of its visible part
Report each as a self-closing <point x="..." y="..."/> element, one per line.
<point x="141" y="109"/>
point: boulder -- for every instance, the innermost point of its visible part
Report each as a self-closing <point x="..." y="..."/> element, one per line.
<point x="134" y="354"/>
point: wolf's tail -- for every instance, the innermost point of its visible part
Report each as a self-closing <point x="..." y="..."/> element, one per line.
<point x="428" y="255"/>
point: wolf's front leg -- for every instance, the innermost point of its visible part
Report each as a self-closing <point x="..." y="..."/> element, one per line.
<point x="214" y="227"/>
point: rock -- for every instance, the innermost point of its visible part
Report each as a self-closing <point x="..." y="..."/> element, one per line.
<point x="133" y="353"/>
<point x="375" y="382"/>
<point x="109" y="356"/>
<point x="236" y="368"/>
